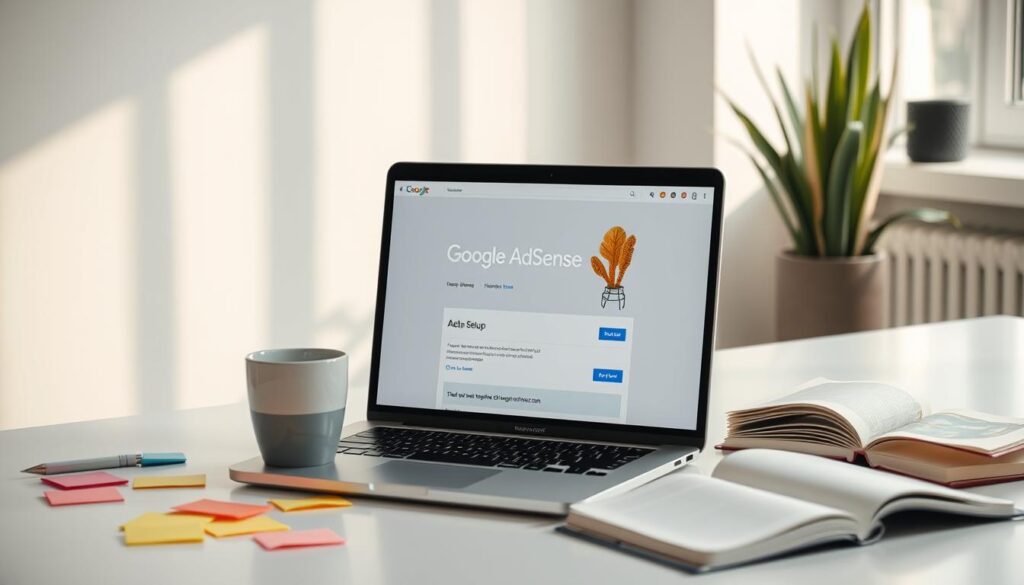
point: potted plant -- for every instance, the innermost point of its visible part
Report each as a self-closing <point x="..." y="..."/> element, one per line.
<point x="825" y="185"/>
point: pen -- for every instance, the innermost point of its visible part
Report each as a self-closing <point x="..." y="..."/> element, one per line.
<point x="141" y="460"/>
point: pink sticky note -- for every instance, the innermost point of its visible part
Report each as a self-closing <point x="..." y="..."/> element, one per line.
<point x="294" y="538"/>
<point x="83" y="496"/>
<point x="219" y="509"/>
<point x="84" y="480"/>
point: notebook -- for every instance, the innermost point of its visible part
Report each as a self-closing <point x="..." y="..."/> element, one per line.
<point x="763" y="503"/>
<point x="885" y="426"/>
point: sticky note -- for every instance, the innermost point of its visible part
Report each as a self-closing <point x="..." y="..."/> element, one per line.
<point x="311" y="503"/>
<point x="144" y="482"/>
<point x="162" y="532"/>
<point x="83" y="496"/>
<point x="222" y="528"/>
<point x="297" y="538"/>
<point x="168" y="519"/>
<point x="84" y="480"/>
<point x="218" y="509"/>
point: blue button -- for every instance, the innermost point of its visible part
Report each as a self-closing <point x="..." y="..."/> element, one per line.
<point x="611" y="334"/>
<point x="614" y="376"/>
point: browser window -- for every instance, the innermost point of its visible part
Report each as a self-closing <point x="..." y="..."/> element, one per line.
<point x="571" y="302"/>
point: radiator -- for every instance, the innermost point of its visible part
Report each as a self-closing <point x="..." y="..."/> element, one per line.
<point x="940" y="273"/>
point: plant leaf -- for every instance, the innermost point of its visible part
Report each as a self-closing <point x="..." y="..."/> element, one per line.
<point x="766" y="149"/>
<point x="611" y="249"/>
<point x="859" y="65"/>
<point x="837" y="203"/>
<point x="777" y="199"/>
<point x="626" y="258"/>
<point x="870" y="198"/>
<point x="768" y="92"/>
<point x="795" y="119"/>
<point x="865" y="161"/>
<point x="835" y="107"/>
<point x="813" y="169"/>
<point x="599" y="269"/>
<point x="924" y="214"/>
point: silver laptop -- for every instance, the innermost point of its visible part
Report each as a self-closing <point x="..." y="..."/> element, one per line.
<point x="543" y="335"/>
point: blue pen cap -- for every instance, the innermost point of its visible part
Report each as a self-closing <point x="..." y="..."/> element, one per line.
<point x="149" y="459"/>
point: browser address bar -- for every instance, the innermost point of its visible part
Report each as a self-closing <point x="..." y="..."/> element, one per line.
<point x="547" y="191"/>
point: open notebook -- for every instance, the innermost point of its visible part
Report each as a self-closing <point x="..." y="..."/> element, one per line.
<point x="762" y="503"/>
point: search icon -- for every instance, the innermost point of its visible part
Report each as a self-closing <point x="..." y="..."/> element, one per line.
<point x="632" y="193"/>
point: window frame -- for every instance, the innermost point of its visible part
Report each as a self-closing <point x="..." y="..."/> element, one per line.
<point x="995" y="120"/>
<point x="1002" y="117"/>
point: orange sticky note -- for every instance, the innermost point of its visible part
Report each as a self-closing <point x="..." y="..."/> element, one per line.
<point x="297" y="538"/>
<point x="84" y="480"/>
<point x="218" y="509"/>
<point x="83" y="496"/>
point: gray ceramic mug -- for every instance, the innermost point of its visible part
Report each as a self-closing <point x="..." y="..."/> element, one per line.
<point x="297" y="401"/>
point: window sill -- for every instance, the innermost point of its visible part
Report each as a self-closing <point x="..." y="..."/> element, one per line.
<point x="990" y="177"/>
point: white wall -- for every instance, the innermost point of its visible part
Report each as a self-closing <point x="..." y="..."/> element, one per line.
<point x="183" y="183"/>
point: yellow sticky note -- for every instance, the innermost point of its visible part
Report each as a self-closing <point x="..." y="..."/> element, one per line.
<point x="162" y="533"/>
<point x="311" y="503"/>
<point x="168" y="481"/>
<point x="247" y="526"/>
<point x="159" y="518"/>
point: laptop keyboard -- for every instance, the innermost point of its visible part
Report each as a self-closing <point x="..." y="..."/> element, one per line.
<point x="490" y="451"/>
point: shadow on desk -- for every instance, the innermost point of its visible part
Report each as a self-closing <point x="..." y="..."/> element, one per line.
<point x="367" y="505"/>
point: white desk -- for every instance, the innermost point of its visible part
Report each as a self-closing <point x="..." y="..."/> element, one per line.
<point x="977" y="364"/>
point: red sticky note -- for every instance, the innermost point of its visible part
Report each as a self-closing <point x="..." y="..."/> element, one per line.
<point x="219" y="509"/>
<point x="295" y="538"/>
<point x="83" y="496"/>
<point x="84" y="480"/>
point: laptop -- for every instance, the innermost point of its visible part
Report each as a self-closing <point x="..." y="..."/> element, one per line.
<point x="543" y="336"/>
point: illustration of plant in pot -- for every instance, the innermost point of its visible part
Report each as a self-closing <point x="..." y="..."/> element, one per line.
<point x="617" y="248"/>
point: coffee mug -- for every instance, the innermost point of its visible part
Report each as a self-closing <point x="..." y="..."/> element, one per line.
<point x="297" y="402"/>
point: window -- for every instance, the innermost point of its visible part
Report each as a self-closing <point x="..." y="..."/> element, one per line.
<point x="1002" y="96"/>
<point x="963" y="49"/>
<point x="1018" y="54"/>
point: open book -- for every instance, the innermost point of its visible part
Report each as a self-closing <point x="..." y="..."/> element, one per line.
<point x="883" y="424"/>
<point x="762" y="503"/>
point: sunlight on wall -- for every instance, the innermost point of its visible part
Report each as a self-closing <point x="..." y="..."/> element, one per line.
<point x="218" y="162"/>
<point x="67" y="273"/>
<point x="372" y="108"/>
<point x="493" y="59"/>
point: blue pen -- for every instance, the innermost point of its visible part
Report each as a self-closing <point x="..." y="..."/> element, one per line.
<point x="140" y="460"/>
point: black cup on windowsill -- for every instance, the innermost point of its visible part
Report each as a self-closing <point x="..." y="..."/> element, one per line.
<point x="937" y="130"/>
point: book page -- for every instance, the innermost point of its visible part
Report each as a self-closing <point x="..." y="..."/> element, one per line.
<point x="872" y="408"/>
<point x="863" y="492"/>
<point x="701" y="514"/>
<point x="979" y="432"/>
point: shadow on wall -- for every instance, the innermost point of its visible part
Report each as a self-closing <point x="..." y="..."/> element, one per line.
<point x="752" y="237"/>
<point x="180" y="137"/>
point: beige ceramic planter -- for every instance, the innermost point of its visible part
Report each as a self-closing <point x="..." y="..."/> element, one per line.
<point x="824" y="296"/>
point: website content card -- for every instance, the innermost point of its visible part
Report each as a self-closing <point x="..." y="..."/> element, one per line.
<point x="551" y="308"/>
<point x="535" y="364"/>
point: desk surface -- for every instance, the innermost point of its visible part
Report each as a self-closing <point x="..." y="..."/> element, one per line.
<point x="975" y="364"/>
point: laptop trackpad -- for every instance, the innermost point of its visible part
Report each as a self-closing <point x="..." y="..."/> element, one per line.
<point x="429" y="474"/>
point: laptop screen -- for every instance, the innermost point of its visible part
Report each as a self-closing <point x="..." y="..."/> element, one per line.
<point x="554" y="301"/>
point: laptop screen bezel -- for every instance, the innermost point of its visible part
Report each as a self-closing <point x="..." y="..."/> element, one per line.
<point x="549" y="427"/>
